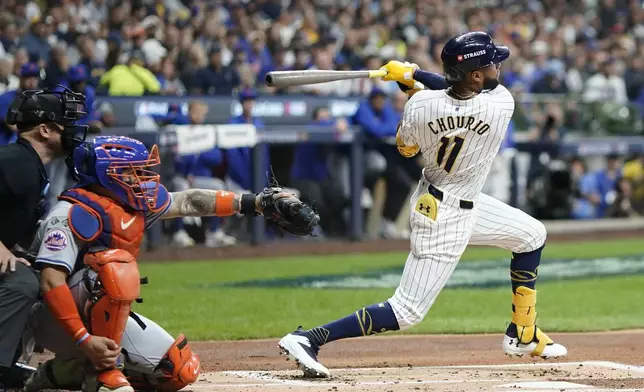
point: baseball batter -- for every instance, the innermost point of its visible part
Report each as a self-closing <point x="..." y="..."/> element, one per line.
<point x="458" y="130"/>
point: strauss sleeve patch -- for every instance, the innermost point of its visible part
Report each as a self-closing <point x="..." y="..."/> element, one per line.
<point x="56" y="240"/>
<point x="427" y="205"/>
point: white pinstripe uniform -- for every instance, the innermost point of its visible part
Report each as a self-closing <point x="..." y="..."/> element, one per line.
<point x="459" y="140"/>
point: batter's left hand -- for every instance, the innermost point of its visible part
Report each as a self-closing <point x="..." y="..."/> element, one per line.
<point x="400" y="72"/>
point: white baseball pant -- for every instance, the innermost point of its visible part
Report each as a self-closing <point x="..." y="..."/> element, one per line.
<point x="437" y="246"/>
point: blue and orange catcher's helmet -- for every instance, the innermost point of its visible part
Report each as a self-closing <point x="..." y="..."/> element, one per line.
<point x="121" y="164"/>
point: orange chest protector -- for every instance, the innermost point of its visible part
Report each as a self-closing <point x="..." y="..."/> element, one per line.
<point x="102" y="223"/>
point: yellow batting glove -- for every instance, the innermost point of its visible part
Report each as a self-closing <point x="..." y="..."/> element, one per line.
<point x="400" y="72"/>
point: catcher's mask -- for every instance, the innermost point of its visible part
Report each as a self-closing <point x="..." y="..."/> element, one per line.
<point x="122" y="165"/>
<point x="58" y="105"/>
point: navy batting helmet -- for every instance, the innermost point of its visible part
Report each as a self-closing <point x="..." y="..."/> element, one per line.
<point x="469" y="52"/>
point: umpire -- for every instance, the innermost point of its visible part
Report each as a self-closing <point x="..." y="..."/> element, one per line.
<point x="44" y="121"/>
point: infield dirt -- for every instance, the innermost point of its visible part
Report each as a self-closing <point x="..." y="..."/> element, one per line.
<point x="596" y="362"/>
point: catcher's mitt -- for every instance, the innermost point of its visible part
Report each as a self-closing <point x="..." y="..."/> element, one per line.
<point x="288" y="212"/>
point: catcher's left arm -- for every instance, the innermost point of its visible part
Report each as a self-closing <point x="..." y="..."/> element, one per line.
<point x="205" y="202"/>
<point x="287" y="211"/>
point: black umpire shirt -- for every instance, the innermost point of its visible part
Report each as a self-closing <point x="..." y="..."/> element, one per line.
<point x="23" y="183"/>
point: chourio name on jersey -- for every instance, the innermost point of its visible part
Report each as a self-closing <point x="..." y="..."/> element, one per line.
<point x="458" y="122"/>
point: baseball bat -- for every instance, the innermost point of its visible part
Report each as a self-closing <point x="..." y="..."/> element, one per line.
<point x="298" y="78"/>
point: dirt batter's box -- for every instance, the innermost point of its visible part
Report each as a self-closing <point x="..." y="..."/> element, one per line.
<point x="591" y="376"/>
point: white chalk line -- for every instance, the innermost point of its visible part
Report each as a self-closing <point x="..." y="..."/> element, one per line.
<point x="321" y="384"/>
<point x="591" y="389"/>
<point x="510" y="365"/>
<point x="617" y="365"/>
<point x="561" y="385"/>
<point x="272" y="379"/>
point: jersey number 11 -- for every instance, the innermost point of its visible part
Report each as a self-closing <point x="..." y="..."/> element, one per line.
<point x="448" y="152"/>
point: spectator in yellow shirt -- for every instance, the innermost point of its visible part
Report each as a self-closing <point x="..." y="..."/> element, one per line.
<point x="633" y="171"/>
<point x="131" y="79"/>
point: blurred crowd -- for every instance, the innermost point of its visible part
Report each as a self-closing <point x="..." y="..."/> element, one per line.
<point x="572" y="189"/>
<point x="591" y="50"/>
<point x="594" y="48"/>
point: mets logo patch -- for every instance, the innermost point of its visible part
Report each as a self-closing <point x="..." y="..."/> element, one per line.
<point x="56" y="240"/>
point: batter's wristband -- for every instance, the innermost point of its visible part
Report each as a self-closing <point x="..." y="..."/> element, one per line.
<point x="432" y="81"/>
<point x="247" y="204"/>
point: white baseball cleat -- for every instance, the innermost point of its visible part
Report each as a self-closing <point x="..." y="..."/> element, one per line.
<point x="299" y="347"/>
<point x="542" y="347"/>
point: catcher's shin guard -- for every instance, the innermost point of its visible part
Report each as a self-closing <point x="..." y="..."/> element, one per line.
<point x="178" y="368"/>
<point x="529" y="338"/>
<point x="117" y="286"/>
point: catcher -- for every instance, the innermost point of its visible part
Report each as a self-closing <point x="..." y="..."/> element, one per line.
<point x="86" y="250"/>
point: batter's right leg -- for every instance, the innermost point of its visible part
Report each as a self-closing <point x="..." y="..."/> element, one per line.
<point x="303" y="346"/>
<point x="438" y="240"/>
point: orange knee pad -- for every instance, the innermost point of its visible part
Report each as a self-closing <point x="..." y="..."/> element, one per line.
<point x="180" y="366"/>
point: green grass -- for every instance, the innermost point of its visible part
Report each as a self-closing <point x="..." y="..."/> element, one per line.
<point x="173" y="301"/>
